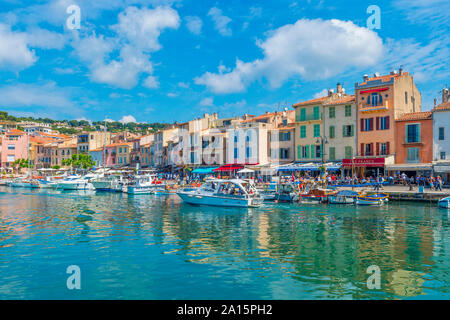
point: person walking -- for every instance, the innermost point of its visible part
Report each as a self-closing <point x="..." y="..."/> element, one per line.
<point x="438" y="183"/>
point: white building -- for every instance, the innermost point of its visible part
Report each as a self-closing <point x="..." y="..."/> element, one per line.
<point x="441" y="140"/>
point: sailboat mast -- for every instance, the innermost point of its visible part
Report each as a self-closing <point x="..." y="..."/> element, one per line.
<point x="104" y="147"/>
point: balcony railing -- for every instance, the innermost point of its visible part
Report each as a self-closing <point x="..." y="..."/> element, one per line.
<point x="364" y="107"/>
<point x="308" y="117"/>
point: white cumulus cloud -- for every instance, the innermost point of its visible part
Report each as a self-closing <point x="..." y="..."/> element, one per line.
<point x="311" y="49"/>
<point x="194" y="24"/>
<point x="207" y="102"/>
<point x="127" y="119"/>
<point x="220" y="21"/>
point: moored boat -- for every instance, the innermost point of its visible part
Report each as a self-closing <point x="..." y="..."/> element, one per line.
<point x="318" y="195"/>
<point x="143" y="184"/>
<point x="112" y="183"/>
<point x="223" y="193"/>
<point x="77" y="183"/>
<point x="286" y="192"/>
<point x="376" y="199"/>
<point x="343" y="197"/>
<point x="444" y="203"/>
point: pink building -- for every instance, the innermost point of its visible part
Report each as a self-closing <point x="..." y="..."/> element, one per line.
<point x="14" y="146"/>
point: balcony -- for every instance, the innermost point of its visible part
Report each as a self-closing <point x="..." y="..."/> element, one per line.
<point x="308" y="117"/>
<point x="366" y="108"/>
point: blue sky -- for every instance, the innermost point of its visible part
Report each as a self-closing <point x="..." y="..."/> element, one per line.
<point x="172" y="60"/>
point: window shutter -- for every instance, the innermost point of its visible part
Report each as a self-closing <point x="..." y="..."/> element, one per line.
<point x="352" y="129"/>
<point x="299" y="155"/>
<point x="371" y="149"/>
<point x="362" y="124"/>
<point x="378" y="148"/>
<point x="312" y="152"/>
<point x="343" y="131"/>
<point x="362" y="149"/>
<point x="387" y="122"/>
<point x="378" y="123"/>
<point x="387" y="148"/>
<point x="307" y="151"/>
<point x="418" y="133"/>
<point x="371" y="124"/>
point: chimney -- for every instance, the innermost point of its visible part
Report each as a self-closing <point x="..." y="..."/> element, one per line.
<point x="435" y="102"/>
<point x="330" y="92"/>
<point x="365" y="77"/>
<point x="400" y="70"/>
<point x="445" y="95"/>
<point x="339" y="88"/>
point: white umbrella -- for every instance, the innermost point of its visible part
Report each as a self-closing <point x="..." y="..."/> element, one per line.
<point x="245" y="170"/>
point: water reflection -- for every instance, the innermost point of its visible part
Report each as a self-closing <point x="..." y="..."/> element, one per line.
<point x="183" y="251"/>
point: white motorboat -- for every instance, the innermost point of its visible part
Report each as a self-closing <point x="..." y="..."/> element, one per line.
<point x="143" y="184"/>
<point x="24" y="183"/>
<point x="112" y="183"/>
<point x="444" y="203"/>
<point x="77" y="183"/>
<point x="223" y="193"/>
<point x="286" y="192"/>
<point x="343" y="197"/>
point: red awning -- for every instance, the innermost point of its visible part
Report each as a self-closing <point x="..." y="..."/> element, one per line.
<point x="373" y="90"/>
<point x="364" y="162"/>
<point x="228" y="168"/>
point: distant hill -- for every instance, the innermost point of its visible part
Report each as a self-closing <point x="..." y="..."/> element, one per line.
<point x="74" y="126"/>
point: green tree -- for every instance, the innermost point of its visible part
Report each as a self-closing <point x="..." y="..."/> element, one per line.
<point x="79" y="161"/>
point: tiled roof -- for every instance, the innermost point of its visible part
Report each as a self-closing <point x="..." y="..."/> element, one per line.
<point x="427" y="115"/>
<point x="384" y="78"/>
<point x="340" y="100"/>
<point x="442" y="106"/>
<point x="317" y="100"/>
<point x="15" y="132"/>
<point x="267" y="115"/>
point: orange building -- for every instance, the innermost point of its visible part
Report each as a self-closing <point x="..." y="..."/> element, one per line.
<point x="414" y="144"/>
<point x="381" y="100"/>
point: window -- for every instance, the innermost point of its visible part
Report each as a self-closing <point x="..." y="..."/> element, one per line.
<point x="10" y="158"/>
<point x="367" y="124"/>
<point x="284" y="153"/>
<point x="332" y="129"/>
<point x="332" y="112"/>
<point x="92" y="137"/>
<point x="383" y="123"/>
<point x="316" y="130"/>
<point x="249" y="136"/>
<point x="236" y="153"/>
<point x="383" y="148"/>
<point x="348" y="152"/>
<point x="11" y="147"/>
<point x="248" y="152"/>
<point x="413" y="155"/>
<point x="120" y="150"/>
<point x="305" y="152"/>
<point x="316" y="113"/>
<point x="285" y="136"/>
<point x="332" y="153"/>
<point x="302" y="114"/>
<point x="347" y="131"/>
<point x="442" y="155"/>
<point x="368" y="149"/>
<point x="406" y="97"/>
<point x="441" y="133"/>
<point x="302" y="131"/>
<point x="236" y="137"/>
<point x="348" y="110"/>
<point x="120" y="159"/>
<point x="318" y="151"/>
<point x="412" y="133"/>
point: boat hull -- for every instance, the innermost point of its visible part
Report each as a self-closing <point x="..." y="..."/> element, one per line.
<point x="341" y="200"/>
<point x="444" y="203"/>
<point x="217" y="201"/>
<point x="76" y="186"/>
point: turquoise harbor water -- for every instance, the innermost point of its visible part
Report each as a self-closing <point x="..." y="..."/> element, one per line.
<point x="156" y="247"/>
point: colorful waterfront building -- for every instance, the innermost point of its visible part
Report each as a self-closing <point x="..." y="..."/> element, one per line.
<point x="14" y="147"/>
<point x="441" y="137"/>
<point x="380" y="101"/>
<point x="88" y="141"/>
<point x="413" y="144"/>
<point x="326" y="122"/>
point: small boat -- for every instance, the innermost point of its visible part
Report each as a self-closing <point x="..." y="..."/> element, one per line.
<point x="143" y="184"/>
<point x="223" y="193"/>
<point x="47" y="184"/>
<point x="24" y="183"/>
<point x="444" y="203"/>
<point x="376" y="199"/>
<point x="77" y="183"/>
<point x="268" y="192"/>
<point x="112" y="183"/>
<point x="318" y="195"/>
<point x="286" y="192"/>
<point x="343" y="197"/>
